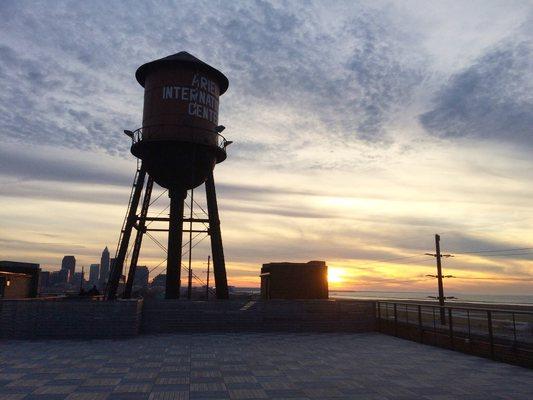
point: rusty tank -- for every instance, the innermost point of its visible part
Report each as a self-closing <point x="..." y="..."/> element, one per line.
<point x="180" y="142"/>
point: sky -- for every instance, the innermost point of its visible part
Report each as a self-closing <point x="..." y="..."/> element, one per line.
<point x="360" y="130"/>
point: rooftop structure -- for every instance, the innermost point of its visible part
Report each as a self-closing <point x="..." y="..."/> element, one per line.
<point x="19" y="279"/>
<point x="286" y="280"/>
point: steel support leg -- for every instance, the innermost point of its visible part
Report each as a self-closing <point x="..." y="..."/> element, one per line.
<point x="116" y="270"/>
<point x="175" y="239"/>
<point x="219" y="266"/>
<point x="138" y="238"/>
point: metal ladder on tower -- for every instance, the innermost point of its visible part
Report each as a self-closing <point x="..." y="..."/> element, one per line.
<point x="115" y="271"/>
<point x="136" y="176"/>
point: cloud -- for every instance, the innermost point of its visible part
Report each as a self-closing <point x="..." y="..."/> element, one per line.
<point x="41" y="163"/>
<point x="491" y="99"/>
<point x="46" y="102"/>
<point x="22" y="245"/>
<point x="67" y="72"/>
<point x="318" y="88"/>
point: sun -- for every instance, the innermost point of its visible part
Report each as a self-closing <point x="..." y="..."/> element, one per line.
<point x="335" y="275"/>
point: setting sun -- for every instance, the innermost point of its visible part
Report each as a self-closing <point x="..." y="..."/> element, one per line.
<point x="335" y="275"/>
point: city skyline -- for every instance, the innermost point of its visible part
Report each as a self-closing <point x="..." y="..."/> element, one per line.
<point x="360" y="131"/>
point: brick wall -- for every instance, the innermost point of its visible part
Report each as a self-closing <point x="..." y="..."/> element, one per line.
<point x="273" y="315"/>
<point x="61" y="318"/>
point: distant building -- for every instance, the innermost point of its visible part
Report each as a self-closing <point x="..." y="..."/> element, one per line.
<point x="286" y="280"/>
<point x="94" y="274"/>
<point x="104" y="268"/>
<point x="77" y="280"/>
<point x="44" y="280"/>
<point x="111" y="266"/>
<point x="141" y="277"/>
<point x="69" y="264"/>
<point x="18" y="279"/>
<point x="59" y="277"/>
<point x="159" y="281"/>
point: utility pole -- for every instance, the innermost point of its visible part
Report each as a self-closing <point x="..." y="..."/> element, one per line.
<point x="189" y="287"/>
<point x="207" y="284"/>
<point x="438" y="256"/>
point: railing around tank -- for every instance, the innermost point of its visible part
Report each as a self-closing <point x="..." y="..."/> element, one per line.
<point x="200" y="136"/>
<point x="504" y="334"/>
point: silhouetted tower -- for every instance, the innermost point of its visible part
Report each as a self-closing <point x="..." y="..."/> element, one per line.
<point x="69" y="264"/>
<point x="179" y="145"/>
<point x="104" y="268"/>
<point x="94" y="274"/>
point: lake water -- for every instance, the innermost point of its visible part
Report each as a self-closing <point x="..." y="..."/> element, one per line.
<point x="460" y="297"/>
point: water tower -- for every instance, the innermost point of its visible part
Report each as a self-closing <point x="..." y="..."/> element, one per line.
<point x="177" y="147"/>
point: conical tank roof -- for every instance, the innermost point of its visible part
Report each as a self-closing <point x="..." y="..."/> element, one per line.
<point x="182" y="59"/>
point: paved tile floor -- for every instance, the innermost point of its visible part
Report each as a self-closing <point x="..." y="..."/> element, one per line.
<point x="252" y="366"/>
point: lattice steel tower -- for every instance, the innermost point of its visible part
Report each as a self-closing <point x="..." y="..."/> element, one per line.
<point x="177" y="147"/>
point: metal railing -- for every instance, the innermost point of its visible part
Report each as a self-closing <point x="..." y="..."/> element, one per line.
<point x="186" y="133"/>
<point x="505" y="334"/>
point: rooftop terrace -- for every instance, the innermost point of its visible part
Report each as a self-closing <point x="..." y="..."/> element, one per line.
<point x="252" y="366"/>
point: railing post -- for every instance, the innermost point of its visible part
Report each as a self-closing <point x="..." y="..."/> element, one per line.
<point x="378" y="305"/>
<point x="469" y="330"/>
<point x="491" y="336"/>
<point x="450" y="324"/>
<point x="395" y="320"/>
<point x="420" y="329"/>
<point x="514" y="332"/>
<point x="393" y="325"/>
<point x="434" y="326"/>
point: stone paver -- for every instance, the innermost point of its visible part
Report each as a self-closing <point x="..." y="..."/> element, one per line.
<point x="244" y="366"/>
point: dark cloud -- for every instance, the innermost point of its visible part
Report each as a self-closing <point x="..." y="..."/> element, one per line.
<point x="491" y="99"/>
<point x="49" y="173"/>
<point x="29" y="165"/>
<point x="23" y="245"/>
<point x="285" y="211"/>
<point x="252" y="192"/>
<point x="458" y="242"/>
<point x="66" y="193"/>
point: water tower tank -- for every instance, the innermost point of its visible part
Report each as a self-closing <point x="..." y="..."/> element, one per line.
<point x="179" y="142"/>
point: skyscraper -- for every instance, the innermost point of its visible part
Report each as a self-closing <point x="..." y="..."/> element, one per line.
<point x="94" y="274"/>
<point x="69" y="264"/>
<point x="140" y="281"/>
<point x="59" y="277"/>
<point x="104" y="268"/>
<point x="77" y="280"/>
<point x="44" y="280"/>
